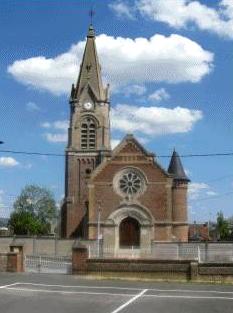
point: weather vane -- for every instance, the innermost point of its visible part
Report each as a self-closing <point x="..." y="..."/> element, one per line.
<point x="91" y="14"/>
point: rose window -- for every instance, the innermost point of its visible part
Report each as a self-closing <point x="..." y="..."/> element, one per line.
<point x="129" y="183"/>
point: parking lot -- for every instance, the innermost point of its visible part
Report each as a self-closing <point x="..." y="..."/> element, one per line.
<point x="34" y="293"/>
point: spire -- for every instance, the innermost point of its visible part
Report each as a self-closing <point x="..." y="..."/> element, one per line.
<point x="176" y="168"/>
<point x="90" y="70"/>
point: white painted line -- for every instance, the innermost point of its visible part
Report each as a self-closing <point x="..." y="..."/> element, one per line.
<point x="129" y="288"/>
<point x="6" y="286"/>
<point x="70" y="292"/>
<point x="130" y="301"/>
<point x="192" y="291"/>
<point x="135" y="297"/>
<point x="87" y="287"/>
<point x="188" y="297"/>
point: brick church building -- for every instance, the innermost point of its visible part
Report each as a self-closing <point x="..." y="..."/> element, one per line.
<point x="123" y="194"/>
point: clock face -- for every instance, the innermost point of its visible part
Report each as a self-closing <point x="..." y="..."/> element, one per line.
<point x="87" y="106"/>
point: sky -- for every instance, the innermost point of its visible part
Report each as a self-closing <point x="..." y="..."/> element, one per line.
<point x="169" y="65"/>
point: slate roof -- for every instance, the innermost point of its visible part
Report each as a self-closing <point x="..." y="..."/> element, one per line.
<point x="90" y="70"/>
<point x="176" y="168"/>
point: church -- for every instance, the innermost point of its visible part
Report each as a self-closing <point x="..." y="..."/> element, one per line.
<point x="122" y="196"/>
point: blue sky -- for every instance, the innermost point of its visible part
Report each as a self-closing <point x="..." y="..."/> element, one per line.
<point x="169" y="64"/>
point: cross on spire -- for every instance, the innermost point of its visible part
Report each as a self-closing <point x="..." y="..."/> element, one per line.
<point x="91" y="14"/>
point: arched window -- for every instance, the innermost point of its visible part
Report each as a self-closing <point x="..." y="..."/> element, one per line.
<point x="129" y="232"/>
<point x="88" y="134"/>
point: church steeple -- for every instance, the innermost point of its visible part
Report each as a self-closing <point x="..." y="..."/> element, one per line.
<point x="90" y="72"/>
<point x="88" y="138"/>
<point x="89" y="121"/>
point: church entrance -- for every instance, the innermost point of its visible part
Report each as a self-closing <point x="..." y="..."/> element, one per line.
<point x="129" y="233"/>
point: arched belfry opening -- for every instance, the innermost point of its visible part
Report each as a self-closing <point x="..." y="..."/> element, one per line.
<point x="129" y="232"/>
<point x="88" y="134"/>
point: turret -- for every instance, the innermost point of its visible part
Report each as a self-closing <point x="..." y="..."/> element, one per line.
<point x="179" y="198"/>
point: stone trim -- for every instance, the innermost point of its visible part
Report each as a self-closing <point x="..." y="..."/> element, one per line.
<point x="171" y="224"/>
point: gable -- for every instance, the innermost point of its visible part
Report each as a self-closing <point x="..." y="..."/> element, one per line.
<point x="87" y="90"/>
<point x="129" y="153"/>
<point x="130" y="145"/>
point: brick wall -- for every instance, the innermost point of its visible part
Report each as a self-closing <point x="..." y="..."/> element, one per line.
<point x="11" y="262"/>
<point x="157" y="197"/>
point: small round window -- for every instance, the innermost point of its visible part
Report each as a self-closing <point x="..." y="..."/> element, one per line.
<point x="129" y="183"/>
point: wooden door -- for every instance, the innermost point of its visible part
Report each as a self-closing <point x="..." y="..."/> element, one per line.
<point x="129" y="233"/>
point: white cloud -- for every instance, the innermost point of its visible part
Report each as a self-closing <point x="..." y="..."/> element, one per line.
<point x="153" y="120"/>
<point x="58" y="130"/>
<point x="122" y="10"/>
<point x="137" y="90"/>
<point x="56" y="138"/>
<point x="32" y="107"/>
<point x="125" y="61"/>
<point x="180" y="13"/>
<point x="211" y="193"/>
<point x="200" y="190"/>
<point x="61" y="125"/>
<point x="8" y="162"/>
<point x="196" y="189"/>
<point x="46" y="125"/>
<point x="187" y="172"/>
<point x="159" y="95"/>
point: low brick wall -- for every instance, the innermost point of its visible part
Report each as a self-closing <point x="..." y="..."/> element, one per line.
<point x="186" y="270"/>
<point x="140" y="268"/>
<point x="125" y="268"/>
<point x="215" y="272"/>
<point x="11" y="262"/>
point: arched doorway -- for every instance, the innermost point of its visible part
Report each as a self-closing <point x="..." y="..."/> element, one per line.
<point x="129" y="233"/>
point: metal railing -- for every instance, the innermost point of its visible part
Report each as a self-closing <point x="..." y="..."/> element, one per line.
<point x="48" y="264"/>
<point x="201" y="252"/>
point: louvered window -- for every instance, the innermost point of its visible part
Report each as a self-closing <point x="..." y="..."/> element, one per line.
<point x="88" y="134"/>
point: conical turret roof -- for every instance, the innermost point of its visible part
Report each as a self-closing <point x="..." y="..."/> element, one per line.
<point x="176" y="168"/>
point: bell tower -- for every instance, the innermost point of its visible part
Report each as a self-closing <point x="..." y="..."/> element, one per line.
<point x="88" y="139"/>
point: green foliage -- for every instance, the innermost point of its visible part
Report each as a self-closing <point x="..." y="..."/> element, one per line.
<point x="34" y="209"/>
<point x="222" y="226"/>
<point x="24" y="223"/>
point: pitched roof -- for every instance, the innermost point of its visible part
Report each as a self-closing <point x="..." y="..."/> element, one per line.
<point x="176" y="168"/>
<point x="126" y="140"/>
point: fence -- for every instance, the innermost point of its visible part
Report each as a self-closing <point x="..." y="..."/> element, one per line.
<point x="201" y="252"/>
<point x="48" y="264"/>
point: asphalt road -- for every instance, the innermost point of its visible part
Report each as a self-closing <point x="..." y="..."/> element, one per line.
<point x="32" y="293"/>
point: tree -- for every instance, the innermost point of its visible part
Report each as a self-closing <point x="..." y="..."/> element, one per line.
<point x="34" y="210"/>
<point x="222" y="226"/>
